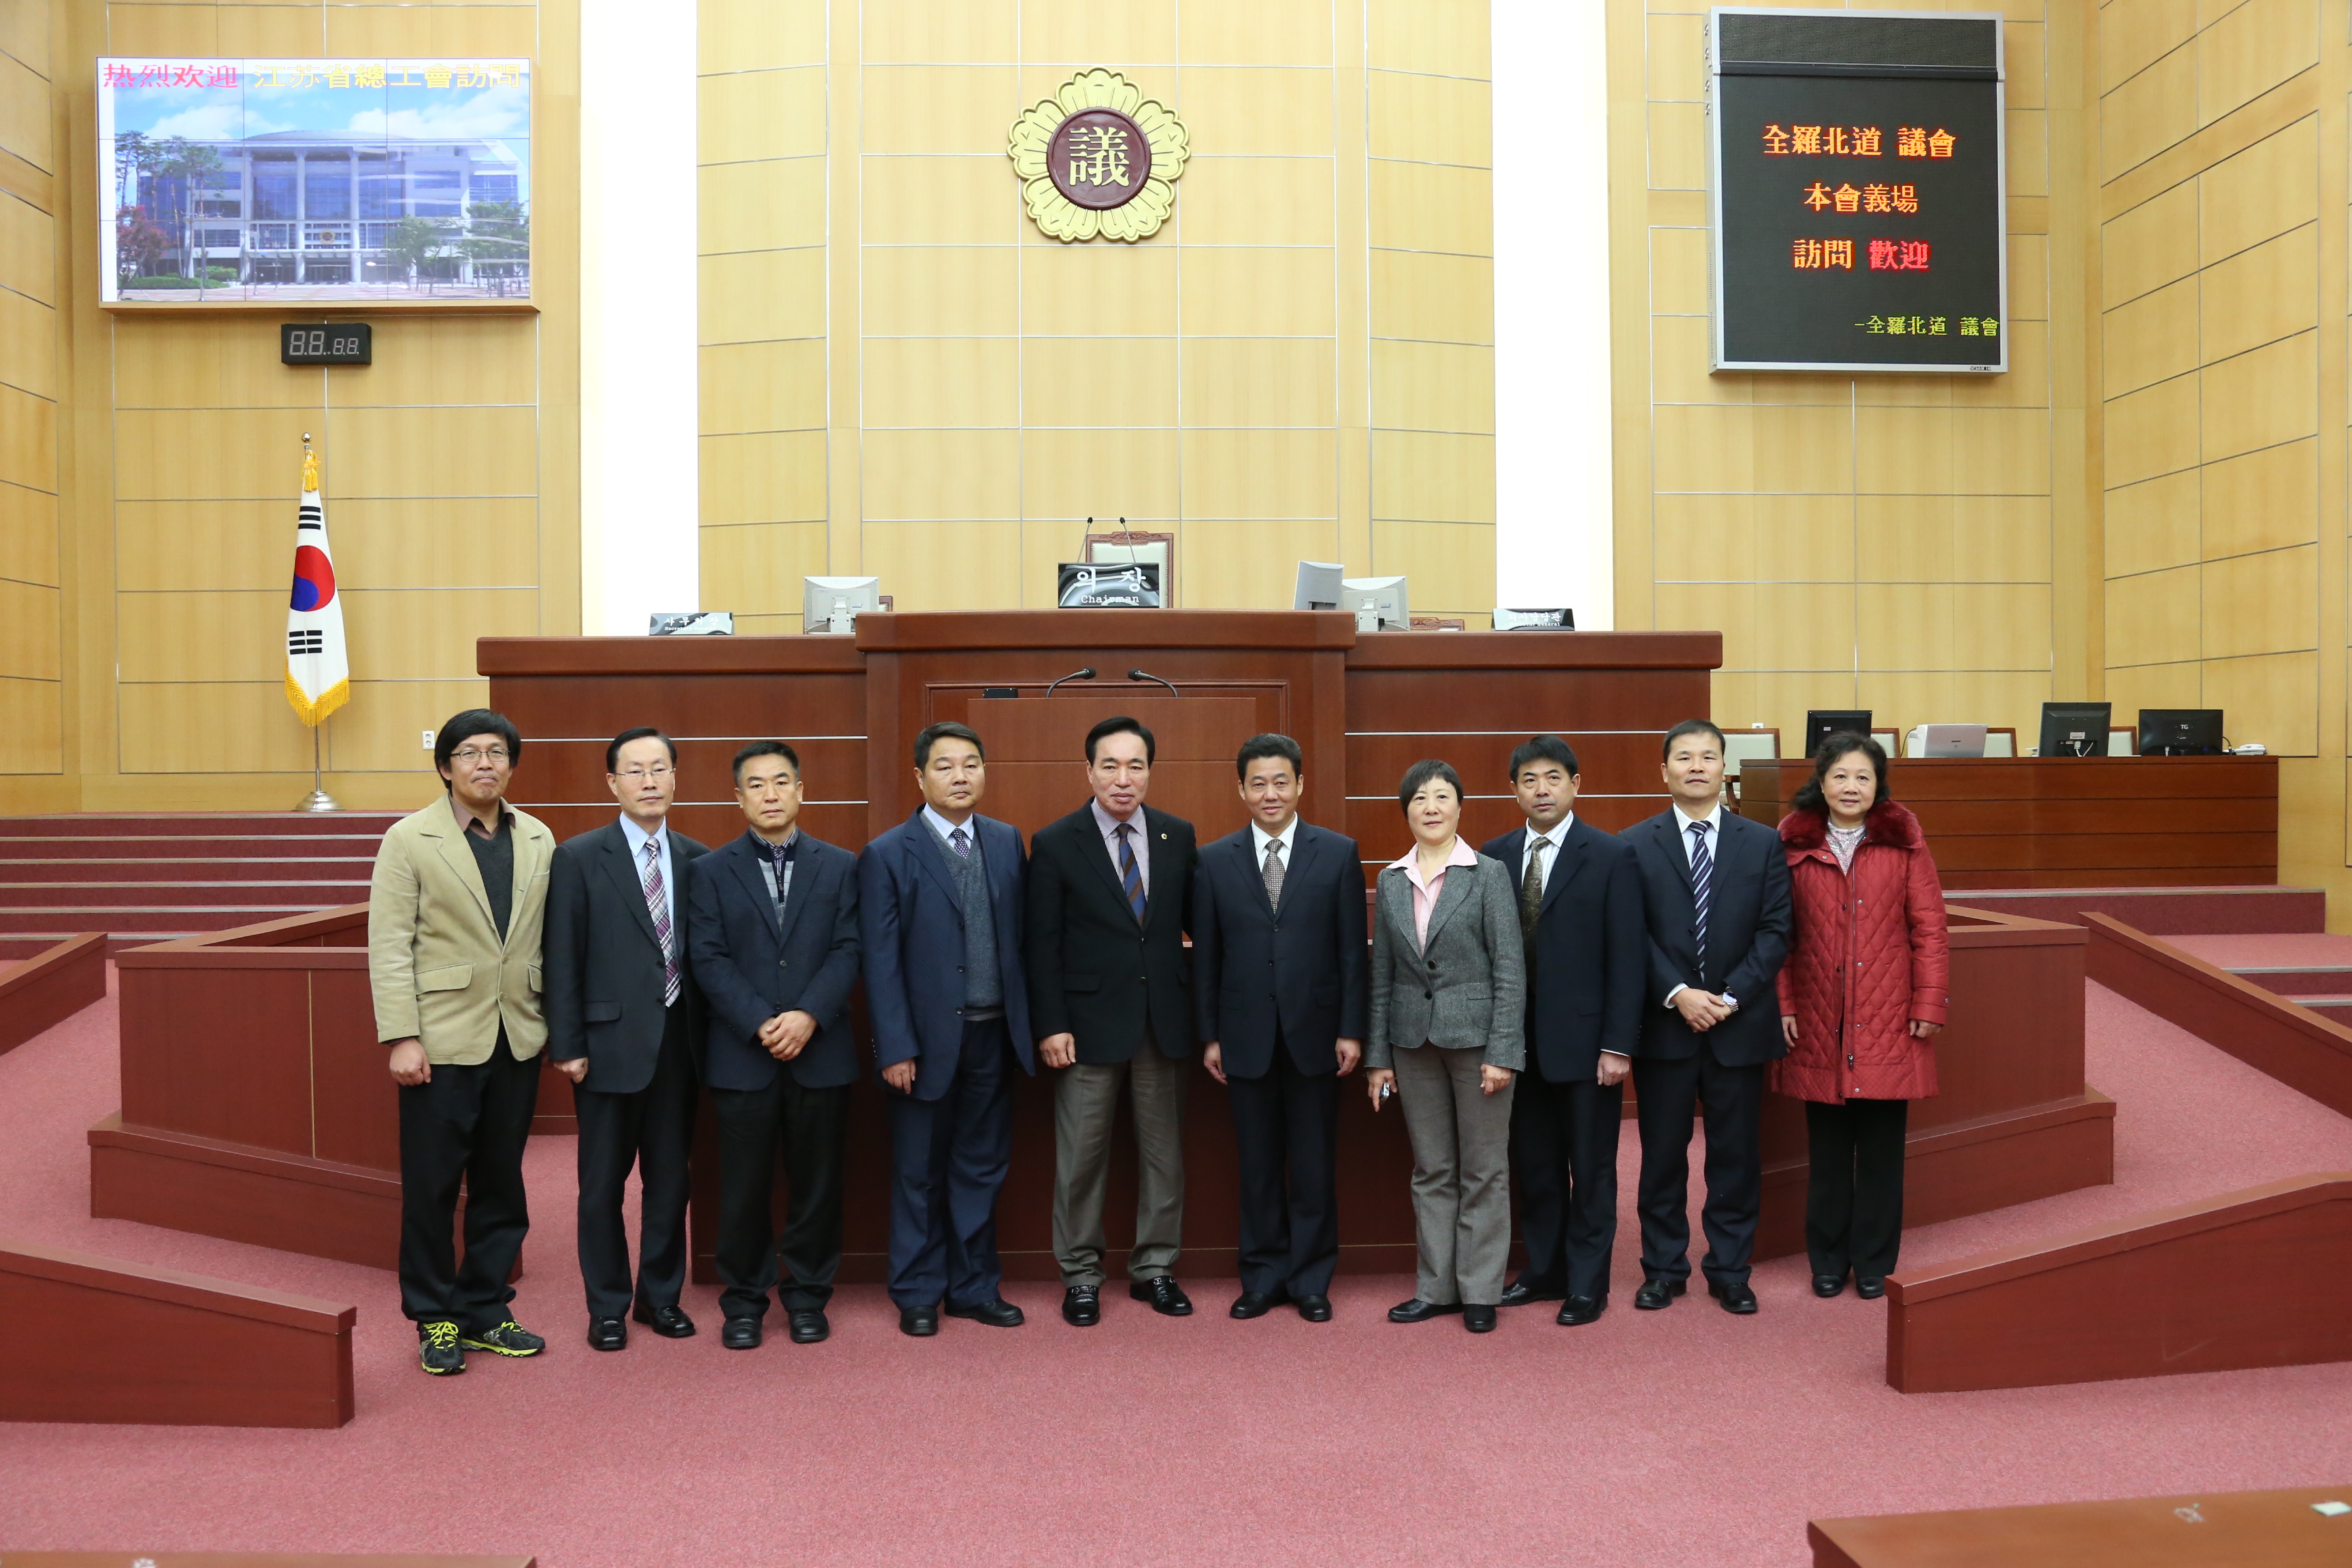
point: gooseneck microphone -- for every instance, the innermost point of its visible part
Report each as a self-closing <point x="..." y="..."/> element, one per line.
<point x="1085" y="674"/>
<point x="1147" y="674"/>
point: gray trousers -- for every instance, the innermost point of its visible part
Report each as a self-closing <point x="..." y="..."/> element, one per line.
<point x="1461" y="1174"/>
<point x="1085" y="1104"/>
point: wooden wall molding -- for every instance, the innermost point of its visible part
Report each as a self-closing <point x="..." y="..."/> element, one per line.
<point x="162" y="1347"/>
<point x="2249" y="1278"/>
<point x="2292" y="1043"/>
<point x="50" y="987"/>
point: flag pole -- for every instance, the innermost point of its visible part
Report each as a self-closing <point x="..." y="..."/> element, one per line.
<point x="318" y="799"/>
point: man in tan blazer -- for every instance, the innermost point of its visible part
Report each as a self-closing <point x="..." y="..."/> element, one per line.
<point x="455" y="912"/>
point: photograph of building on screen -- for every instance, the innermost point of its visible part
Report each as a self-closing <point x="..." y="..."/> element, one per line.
<point x="289" y="180"/>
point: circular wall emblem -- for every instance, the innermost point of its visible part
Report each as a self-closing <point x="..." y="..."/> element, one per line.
<point x="1097" y="159"/>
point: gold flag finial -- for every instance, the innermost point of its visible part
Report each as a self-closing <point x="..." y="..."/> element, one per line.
<point x="309" y="464"/>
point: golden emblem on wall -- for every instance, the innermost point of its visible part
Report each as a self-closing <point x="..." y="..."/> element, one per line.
<point x="1098" y="159"/>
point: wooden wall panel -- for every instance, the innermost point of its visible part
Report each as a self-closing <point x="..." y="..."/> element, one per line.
<point x="32" y="648"/>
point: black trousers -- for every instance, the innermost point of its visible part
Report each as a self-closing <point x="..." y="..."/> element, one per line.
<point x="465" y="1125"/>
<point x="754" y="1259"/>
<point x="1854" y="1190"/>
<point x="1286" y="1124"/>
<point x="1668" y="1096"/>
<point x="651" y="1131"/>
<point x="1564" y="1161"/>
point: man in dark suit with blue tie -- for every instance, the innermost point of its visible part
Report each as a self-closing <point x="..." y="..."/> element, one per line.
<point x="622" y="1013"/>
<point x="1588" y="956"/>
<point x="1278" y="974"/>
<point x="774" y="939"/>
<point x="1716" y="891"/>
<point x="941" y="907"/>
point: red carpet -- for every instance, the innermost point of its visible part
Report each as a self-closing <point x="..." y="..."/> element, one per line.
<point x="1685" y="1436"/>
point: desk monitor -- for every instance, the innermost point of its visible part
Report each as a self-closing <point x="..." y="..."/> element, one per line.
<point x="1946" y="741"/>
<point x="2179" y="732"/>
<point x="1820" y="723"/>
<point x="833" y="603"/>
<point x="1379" y="597"/>
<point x="1318" y="585"/>
<point x="2076" y="729"/>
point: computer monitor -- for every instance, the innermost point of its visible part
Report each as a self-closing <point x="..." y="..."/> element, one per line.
<point x="1946" y="741"/>
<point x="2076" y="729"/>
<point x="833" y="603"/>
<point x="1318" y="585"/>
<point x="2179" y="732"/>
<point x="1820" y="723"/>
<point x="1383" y="598"/>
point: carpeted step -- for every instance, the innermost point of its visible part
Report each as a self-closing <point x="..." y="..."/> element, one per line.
<point x="115" y="895"/>
<point x="175" y="868"/>
<point x="176" y="918"/>
<point x="2299" y="980"/>
<point x="15" y="945"/>
<point x="2335" y="1009"/>
<point x="178" y="846"/>
<point x="204" y="824"/>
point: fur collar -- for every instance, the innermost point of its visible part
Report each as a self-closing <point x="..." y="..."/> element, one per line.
<point x="1890" y="823"/>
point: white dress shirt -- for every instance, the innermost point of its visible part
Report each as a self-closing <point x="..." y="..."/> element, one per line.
<point x="1287" y="838"/>
<point x="1552" y="840"/>
<point x="659" y="837"/>
<point x="1684" y="823"/>
<point x="1140" y="839"/>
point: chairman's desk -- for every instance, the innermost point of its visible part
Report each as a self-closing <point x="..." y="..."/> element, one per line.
<point x="2073" y="822"/>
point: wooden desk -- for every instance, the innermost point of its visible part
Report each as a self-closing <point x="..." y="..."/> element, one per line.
<point x="2073" y="822"/>
<point x="2200" y="1530"/>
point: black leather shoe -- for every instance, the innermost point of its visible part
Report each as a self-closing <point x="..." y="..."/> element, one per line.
<point x="1656" y="1295"/>
<point x="1166" y="1297"/>
<point x="669" y="1322"/>
<point x="607" y="1334"/>
<point x="1257" y="1303"/>
<point x="1828" y="1285"/>
<point x="1419" y="1311"/>
<point x="1869" y="1288"/>
<point x="1315" y="1309"/>
<point x="809" y="1327"/>
<point x="1082" y="1306"/>
<point x="920" y="1322"/>
<point x="1478" y="1319"/>
<point x="996" y="1312"/>
<point x="1577" y="1310"/>
<point x="740" y="1333"/>
<point x="1737" y="1298"/>
<point x="1519" y="1293"/>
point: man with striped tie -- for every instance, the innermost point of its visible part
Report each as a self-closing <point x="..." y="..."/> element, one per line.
<point x="621" y="1017"/>
<point x="1716" y="889"/>
<point x="1110" y="996"/>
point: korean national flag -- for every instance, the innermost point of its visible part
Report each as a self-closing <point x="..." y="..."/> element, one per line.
<point x="317" y="663"/>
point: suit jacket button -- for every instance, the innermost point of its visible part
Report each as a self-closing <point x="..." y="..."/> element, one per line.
<point x="1429" y="995"/>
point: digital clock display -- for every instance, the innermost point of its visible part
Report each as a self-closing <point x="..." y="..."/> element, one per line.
<point x="326" y="343"/>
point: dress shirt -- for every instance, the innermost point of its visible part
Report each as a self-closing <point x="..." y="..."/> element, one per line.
<point x="1424" y="894"/>
<point x="1555" y="839"/>
<point x="1288" y="838"/>
<point x="659" y="837"/>
<point x="1682" y="825"/>
<point x="1110" y="826"/>
<point x="947" y="830"/>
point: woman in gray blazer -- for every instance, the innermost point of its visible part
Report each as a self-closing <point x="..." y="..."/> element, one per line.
<point x="1449" y="988"/>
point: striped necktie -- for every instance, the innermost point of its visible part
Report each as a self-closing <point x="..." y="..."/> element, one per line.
<point x="1702" y="875"/>
<point x="657" y="902"/>
<point x="1131" y="875"/>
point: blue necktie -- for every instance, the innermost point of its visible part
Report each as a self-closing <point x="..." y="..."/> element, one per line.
<point x="1702" y="874"/>
<point x="1131" y="875"/>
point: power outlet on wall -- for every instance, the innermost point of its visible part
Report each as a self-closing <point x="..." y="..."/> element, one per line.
<point x="428" y="743"/>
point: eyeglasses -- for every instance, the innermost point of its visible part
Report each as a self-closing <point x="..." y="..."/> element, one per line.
<point x="659" y="771"/>
<point x="473" y="754"/>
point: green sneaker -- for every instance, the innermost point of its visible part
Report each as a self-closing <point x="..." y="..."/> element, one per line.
<point x="509" y="1338"/>
<point x="437" y="1349"/>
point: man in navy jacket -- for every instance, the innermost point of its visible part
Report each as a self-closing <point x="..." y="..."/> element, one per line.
<point x="774" y="940"/>
<point x="1588" y="958"/>
<point x="1714" y="892"/>
<point x="940" y="909"/>
<point x="1278" y="976"/>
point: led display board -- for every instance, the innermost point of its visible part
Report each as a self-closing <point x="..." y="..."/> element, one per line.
<point x="1860" y="203"/>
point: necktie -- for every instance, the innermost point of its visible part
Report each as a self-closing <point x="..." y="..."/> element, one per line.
<point x="1274" y="872"/>
<point x="1131" y="875"/>
<point x="963" y="843"/>
<point x="657" y="903"/>
<point x="1702" y="874"/>
<point x="1532" y="887"/>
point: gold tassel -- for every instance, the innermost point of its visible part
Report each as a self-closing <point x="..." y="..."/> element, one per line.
<point x="316" y="713"/>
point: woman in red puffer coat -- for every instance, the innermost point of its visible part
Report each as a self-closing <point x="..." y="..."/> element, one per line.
<point x="1865" y="988"/>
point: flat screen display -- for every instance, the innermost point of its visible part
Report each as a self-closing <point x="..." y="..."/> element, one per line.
<point x="244" y="181"/>
<point x="1859" y="200"/>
